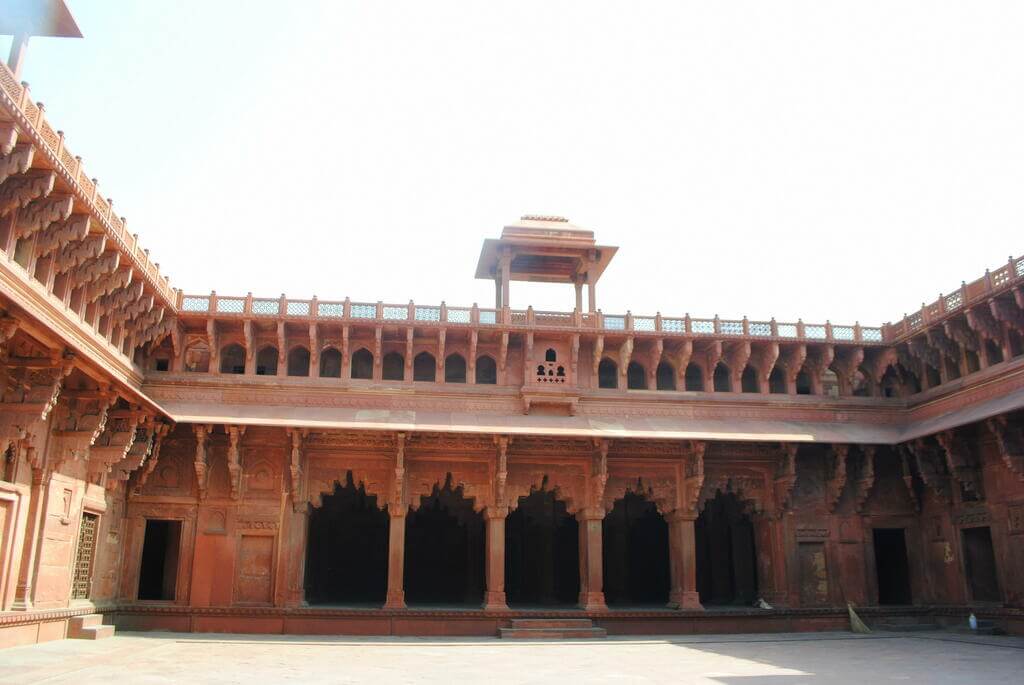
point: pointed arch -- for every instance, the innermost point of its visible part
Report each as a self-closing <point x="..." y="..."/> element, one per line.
<point x="393" y="367"/>
<point x="266" y="361"/>
<point x="455" y="368"/>
<point x="486" y="370"/>
<point x="722" y="378"/>
<point x="424" y="368"/>
<point x="362" y="364"/>
<point x="636" y="376"/>
<point x="298" y="361"/>
<point x="330" y="363"/>
<point x="608" y="374"/>
<point x="665" y="376"/>
<point x="232" y="359"/>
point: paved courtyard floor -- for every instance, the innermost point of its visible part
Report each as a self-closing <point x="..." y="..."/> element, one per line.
<point x="739" y="659"/>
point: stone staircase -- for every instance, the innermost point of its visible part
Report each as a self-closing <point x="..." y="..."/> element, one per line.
<point x="551" y="629"/>
<point x="89" y="627"/>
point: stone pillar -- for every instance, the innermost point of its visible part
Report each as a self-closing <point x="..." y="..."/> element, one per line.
<point x="682" y="551"/>
<point x="591" y="572"/>
<point x="396" y="561"/>
<point x="494" y="594"/>
<point x="297" y="522"/>
<point x="578" y="284"/>
<point x="33" y="538"/>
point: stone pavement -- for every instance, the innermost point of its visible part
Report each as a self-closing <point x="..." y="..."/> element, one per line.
<point x="741" y="659"/>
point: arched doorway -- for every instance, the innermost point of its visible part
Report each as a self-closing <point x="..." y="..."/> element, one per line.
<point x="542" y="552"/>
<point x="636" y="563"/>
<point x="726" y="562"/>
<point x="444" y="550"/>
<point x="347" y="548"/>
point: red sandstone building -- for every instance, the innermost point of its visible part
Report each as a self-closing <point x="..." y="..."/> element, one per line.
<point x="214" y="463"/>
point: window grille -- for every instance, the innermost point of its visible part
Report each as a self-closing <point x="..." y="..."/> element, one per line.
<point x="83" y="557"/>
<point x="297" y="308"/>
<point x="195" y="304"/>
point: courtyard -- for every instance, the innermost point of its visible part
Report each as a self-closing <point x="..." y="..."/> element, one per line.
<point x="938" y="657"/>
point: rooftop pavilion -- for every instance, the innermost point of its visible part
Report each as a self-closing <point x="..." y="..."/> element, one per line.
<point x="544" y="249"/>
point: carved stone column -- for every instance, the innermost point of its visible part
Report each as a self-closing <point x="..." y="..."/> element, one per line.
<point x="591" y="571"/>
<point x="396" y="560"/>
<point x="682" y="552"/>
<point x="494" y="595"/>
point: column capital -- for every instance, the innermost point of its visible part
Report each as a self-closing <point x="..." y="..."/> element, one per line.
<point x="591" y="514"/>
<point x="490" y="513"/>
<point x="678" y="515"/>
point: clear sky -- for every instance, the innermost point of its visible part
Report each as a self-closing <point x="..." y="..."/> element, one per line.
<point x="841" y="160"/>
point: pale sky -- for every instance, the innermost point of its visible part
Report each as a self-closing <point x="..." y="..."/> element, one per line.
<point x="830" y="160"/>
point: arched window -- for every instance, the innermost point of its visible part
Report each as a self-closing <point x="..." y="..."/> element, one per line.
<point x="694" y="378"/>
<point x="362" y="364"/>
<point x="197" y="357"/>
<point x="298" y="361"/>
<point x="777" y="381"/>
<point x="994" y="352"/>
<point x="266" y="361"/>
<point x="232" y="359"/>
<point x="636" y="376"/>
<point x="424" y="368"/>
<point x="330" y="363"/>
<point x="550" y="356"/>
<point x="1016" y="343"/>
<point x="486" y="371"/>
<point x="973" y="362"/>
<point x="394" y="367"/>
<point x="803" y="383"/>
<point x="748" y="382"/>
<point x="607" y="374"/>
<point x="454" y="369"/>
<point x="722" y="378"/>
<point x="665" y="376"/>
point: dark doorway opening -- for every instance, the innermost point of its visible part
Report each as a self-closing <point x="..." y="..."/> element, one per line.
<point x="726" y="566"/>
<point x="542" y="552"/>
<point x="347" y="548"/>
<point x="635" y="538"/>
<point x="158" y="575"/>
<point x="891" y="565"/>
<point x="980" y="564"/>
<point x="444" y="550"/>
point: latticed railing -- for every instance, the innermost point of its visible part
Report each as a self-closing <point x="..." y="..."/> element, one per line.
<point x="1004" y="278"/>
<point x="346" y="310"/>
<point x="50" y="142"/>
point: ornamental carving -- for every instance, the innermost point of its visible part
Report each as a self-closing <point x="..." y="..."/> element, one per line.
<point x="747" y="484"/>
<point x="658" y="488"/>
<point x="865" y="478"/>
<point x="836" y="480"/>
<point x="929" y="458"/>
<point x="472" y="479"/>
<point x="565" y="482"/>
<point x="962" y="464"/>
<point x="1010" y="441"/>
<point x="373" y="478"/>
<point x="80" y="418"/>
<point x="785" y="477"/>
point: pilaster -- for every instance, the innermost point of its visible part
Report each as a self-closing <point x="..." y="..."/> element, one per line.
<point x="682" y="551"/>
<point x="494" y="572"/>
<point x="591" y="571"/>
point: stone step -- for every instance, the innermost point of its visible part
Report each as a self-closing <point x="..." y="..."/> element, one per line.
<point x="86" y="621"/>
<point x="574" y="623"/>
<point x="551" y="633"/>
<point x="909" y="627"/>
<point x="89" y="627"/>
